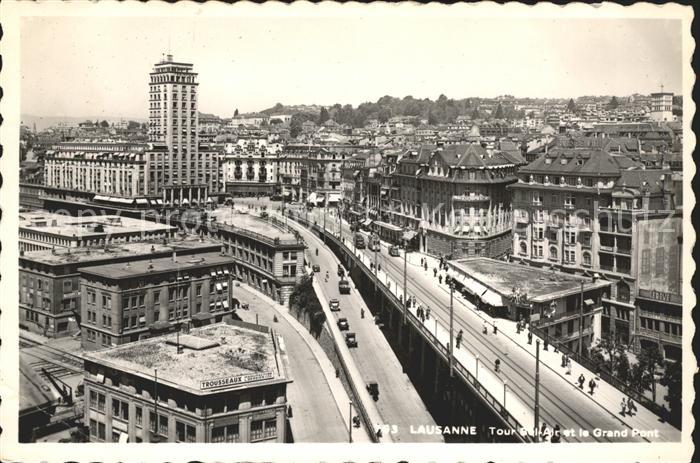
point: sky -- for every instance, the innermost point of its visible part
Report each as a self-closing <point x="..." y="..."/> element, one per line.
<point x="76" y="67"/>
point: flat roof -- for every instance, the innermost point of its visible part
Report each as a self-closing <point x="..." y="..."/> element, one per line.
<point x="117" y="250"/>
<point x="251" y="223"/>
<point x="539" y="284"/>
<point x="70" y="226"/>
<point x="215" y="357"/>
<point x="160" y="265"/>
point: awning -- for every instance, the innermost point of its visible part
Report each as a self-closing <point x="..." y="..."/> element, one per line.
<point x="123" y="437"/>
<point x="185" y="201"/>
<point x="141" y="201"/>
<point x="492" y="298"/>
<point x="226" y="272"/>
<point x="100" y="198"/>
<point x="333" y="198"/>
<point x="142" y="319"/>
<point x="409" y="235"/>
<point x="472" y="285"/>
<point x="160" y="326"/>
<point x="224" y="284"/>
<point x="219" y="272"/>
<point x="213" y="273"/>
<point x="218" y="304"/>
<point x="287" y="193"/>
<point x="209" y="200"/>
<point x="202" y="316"/>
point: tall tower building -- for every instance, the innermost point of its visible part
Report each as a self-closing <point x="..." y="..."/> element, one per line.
<point x="182" y="171"/>
<point x="662" y="107"/>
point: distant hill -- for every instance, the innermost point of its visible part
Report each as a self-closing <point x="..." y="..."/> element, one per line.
<point x="279" y="108"/>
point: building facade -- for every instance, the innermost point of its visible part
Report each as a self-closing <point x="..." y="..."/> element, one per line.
<point x="455" y="196"/>
<point x="208" y="387"/>
<point x="250" y="167"/>
<point x="49" y="280"/>
<point x="125" y="302"/>
<point x="581" y="210"/>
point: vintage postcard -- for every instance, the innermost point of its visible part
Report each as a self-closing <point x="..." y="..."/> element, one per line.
<point x="345" y="232"/>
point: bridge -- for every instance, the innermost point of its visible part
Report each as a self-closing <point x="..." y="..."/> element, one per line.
<point x="508" y="394"/>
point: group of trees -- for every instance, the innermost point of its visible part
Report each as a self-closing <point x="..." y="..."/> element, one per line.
<point x="303" y="300"/>
<point x="610" y="356"/>
<point x="443" y="110"/>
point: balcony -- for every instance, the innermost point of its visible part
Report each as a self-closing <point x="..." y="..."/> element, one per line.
<point x="653" y="335"/>
<point x="661" y="316"/>
<point x="471" y="198"/>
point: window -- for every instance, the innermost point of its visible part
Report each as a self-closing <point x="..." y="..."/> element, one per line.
<point x="101" y="432"/>
<point x="152" y="421"/>
<point x="553" y="253"/>
<point x="227" y="433"/>
<point x="138" y="416"/>
<point x="587" y="258"/>
<point x="659" y="263"/>
<point x="156" y="297"/>
<point x="256" y="430"/>
<point x="646" y="261"/>
<point x="270" y="428"/>
<point x="101" y="402"/>
<point x="536" y="198"/>
<point x="93" y="427"/>
<point x="569" y="256"/>
<point x="163" y="425"/>
<point x="199" y="290"/>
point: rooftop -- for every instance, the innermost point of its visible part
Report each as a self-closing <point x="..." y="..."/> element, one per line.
<point x="539" y="284"/>
<point x="88" y="225"/>
<point x="251" y="223"/>
<point x="161" y="265"/>
<point x="213" y="357"/>
<point x="35" y="392"/>
<point x="117" y="251"/>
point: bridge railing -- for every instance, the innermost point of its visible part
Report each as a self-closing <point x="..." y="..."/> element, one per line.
<point x="498" y="408"/>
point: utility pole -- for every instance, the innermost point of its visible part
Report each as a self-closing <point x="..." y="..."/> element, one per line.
<point x="350" y="425"/>
<point x="405" y="293"/>
<point x="580" y="324"/>
<point x="537" y="388"/>
<point x="452" y="291"/>
<point x="324" y="224"/>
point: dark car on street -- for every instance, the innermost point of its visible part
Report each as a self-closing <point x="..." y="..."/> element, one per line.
<point x="344" y="287"/>
<point x="394" y="251"/>
<point x="343" y="324"/>
<point x="341" y="271"/>
<point x="350" y="340"/>
<point x="316" y="268"/>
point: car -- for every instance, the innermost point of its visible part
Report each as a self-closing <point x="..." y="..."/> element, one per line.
<point x="343" y="324"/>
<point x="378" y="321"/>
<point x="344" y="287"/>
<point x="341" y="271"/>
<point x="394" y="251"/>
<point x="373" y="389"/>
<point x="334" y="305"/>
<point x="316" y="268"/>
<point x="350" y="340"/>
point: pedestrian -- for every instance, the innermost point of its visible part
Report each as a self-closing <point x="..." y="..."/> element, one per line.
<point x="379" y="267"/>
<point x="631" y="407"/>
<point x="529" y="337"/>
<point x="623" y="405"/>
<point x="546" y="345"/>
<point x="592" y="385"/>
<point x="568" y="367"/>
<point x="664" y="413"/>
<point x="517" y="328"/>
<point x="459" y="338"/>
<point x="495" y="328"/>
<point x="498" y="365"/>
<point x="427" y="314"/>
<point x="379" y="432"/>
<point x="434" y="272"/>
<point x="544" y="433"/>
<point x="425" y="265"/>
<point x="485" y="329"/>
<point x="421" y="261"/>
<point x="563" y="360"/>
<point x="556" y="435"/>
<point x="440" y="279"/>
<point x="581" y="380"/>
<point x="362" y="313"/>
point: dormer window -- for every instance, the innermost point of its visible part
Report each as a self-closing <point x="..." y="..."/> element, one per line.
<point x="548" y="160"/>
<point x="564" y="161"/>
<point x="579" y="162"/>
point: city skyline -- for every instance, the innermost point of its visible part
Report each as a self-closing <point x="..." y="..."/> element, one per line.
<point x="271" y="57"/>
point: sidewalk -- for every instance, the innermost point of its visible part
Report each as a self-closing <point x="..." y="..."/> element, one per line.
<point x="338" y="392"/>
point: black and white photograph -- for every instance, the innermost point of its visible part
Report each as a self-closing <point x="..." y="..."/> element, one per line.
<point x="346" y="224"/>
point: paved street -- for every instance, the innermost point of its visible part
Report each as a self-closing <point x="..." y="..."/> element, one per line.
<point x="399" y="403"/>
<point x="560" y="401"/>
<point x="319" y="402"/>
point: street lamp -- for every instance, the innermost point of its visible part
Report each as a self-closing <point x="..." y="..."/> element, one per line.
<point x="537" y="387"/>
<point x="350" y="424"/>
<point x="477" y="366"/>
<point x="451" y="330"/>
<point x="505" y="385"/>
<point x="405" y="257"/>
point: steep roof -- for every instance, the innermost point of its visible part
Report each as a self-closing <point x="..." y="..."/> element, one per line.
<point x="577" y="161"/>
<point x="652" y="179"/>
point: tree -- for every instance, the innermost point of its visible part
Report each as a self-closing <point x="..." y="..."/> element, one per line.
<point x="323" y="116"/>
<point x="295" y="126"/>
<point x="499" y="112"/>
<point x="235" y="113"/>
<point x="672" y="379"/>
<point x="104" y="124"/>
<point x="571" y="107"/>
<point x="649" y="359"/>
<point x="133" y="125"/>
<point x="613" y="103"/>
<point x="475" y="113"/>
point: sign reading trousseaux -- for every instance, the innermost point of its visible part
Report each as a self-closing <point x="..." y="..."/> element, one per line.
<point x="233" y="380"/>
